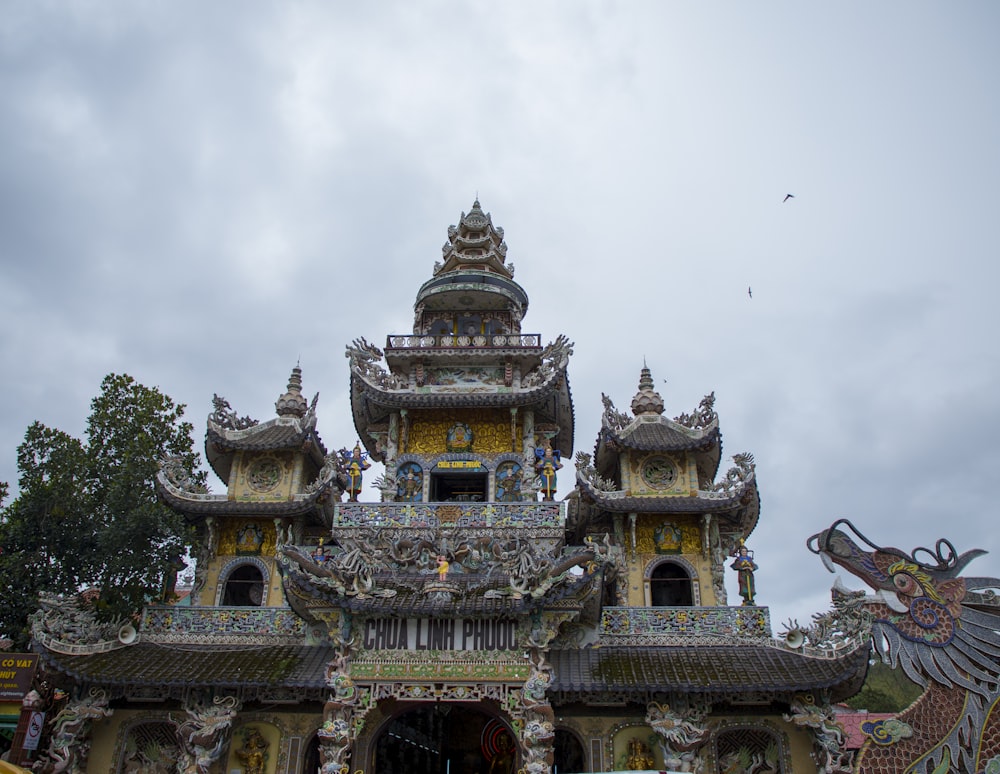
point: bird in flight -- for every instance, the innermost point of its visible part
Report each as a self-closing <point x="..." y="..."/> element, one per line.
<point x="750" y="292"/>
<point x="787" y="197"/>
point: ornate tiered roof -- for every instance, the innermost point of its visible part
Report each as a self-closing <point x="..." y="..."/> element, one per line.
<point x="466" y="349"/>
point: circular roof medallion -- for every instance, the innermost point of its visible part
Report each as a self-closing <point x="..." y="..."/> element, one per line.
<point x="659" y="472"/>
<point x="264" y="474"/>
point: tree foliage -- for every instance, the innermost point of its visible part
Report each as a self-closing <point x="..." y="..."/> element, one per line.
<point x="87" y="514"/>
<point x="885" y="690"/>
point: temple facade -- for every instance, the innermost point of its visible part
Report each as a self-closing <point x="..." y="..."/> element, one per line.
<point x="452" y="615"/>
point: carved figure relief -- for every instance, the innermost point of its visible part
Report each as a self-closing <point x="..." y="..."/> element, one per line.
<point x="410" y="483"/>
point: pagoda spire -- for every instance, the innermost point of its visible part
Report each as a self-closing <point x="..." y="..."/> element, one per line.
<point x="647" y="400"/>
<point x="292" y="403"/>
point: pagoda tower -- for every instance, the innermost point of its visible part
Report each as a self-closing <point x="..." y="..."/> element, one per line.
<point x="468" y="403"/>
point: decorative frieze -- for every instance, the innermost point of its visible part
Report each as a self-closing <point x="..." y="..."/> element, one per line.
<point x="550" y="515"/>
<point x="650" y="623"/>
<point x="168" y="623"/>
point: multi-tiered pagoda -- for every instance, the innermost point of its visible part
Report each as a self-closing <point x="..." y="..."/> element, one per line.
<point x="463" y="620"/>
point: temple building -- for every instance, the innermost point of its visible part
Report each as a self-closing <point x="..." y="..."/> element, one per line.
<point x="451" y="615"/>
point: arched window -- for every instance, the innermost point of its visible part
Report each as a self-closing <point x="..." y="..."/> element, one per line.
<point x="244" y="587"/>
<point x="569" y="757"/>
<point x="670" y="586"/>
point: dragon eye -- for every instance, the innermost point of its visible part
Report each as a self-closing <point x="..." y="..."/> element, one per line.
<point x="904" y="583"/>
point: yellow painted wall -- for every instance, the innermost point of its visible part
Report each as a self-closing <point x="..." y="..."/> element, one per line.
<point x="491" y="431"/>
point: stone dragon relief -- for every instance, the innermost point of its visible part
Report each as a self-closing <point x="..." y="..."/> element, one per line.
<point x="70" y="744"/>
<point x="384" y="562"/>
<point x="65" y="624"/>
<point x="680" y="733"/>
<point x="224" y="417"/>
<point x="941" y="628"/>
<point x="366" y="362"/>
<point x="204" y="733"/>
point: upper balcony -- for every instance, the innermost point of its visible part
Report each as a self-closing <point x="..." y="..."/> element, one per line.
<point x="401" y="343"/>
<point x="540" y="517"/>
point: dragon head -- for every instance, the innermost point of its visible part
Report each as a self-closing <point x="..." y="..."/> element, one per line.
<point x="920" y="605"/>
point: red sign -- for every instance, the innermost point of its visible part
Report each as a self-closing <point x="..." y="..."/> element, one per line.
<point x="17" y="670"/>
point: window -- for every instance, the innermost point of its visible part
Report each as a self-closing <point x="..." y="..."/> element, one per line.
<point x="670" y="586"/>
<point x="244" y="587"/>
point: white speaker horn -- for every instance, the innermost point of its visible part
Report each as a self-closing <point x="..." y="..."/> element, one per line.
<point x="794" y="638"/>
<point x="127" y="634"/>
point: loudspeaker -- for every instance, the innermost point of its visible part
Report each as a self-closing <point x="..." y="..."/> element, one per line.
<point x="794" y="638"/>
<point x="127" y="634"/>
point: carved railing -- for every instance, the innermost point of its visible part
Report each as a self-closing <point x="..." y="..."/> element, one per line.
<point x="651" y="624"/>
<point x="172" y="623"/>
<point x="533" y="515"/>
<point x="446" y="341"/>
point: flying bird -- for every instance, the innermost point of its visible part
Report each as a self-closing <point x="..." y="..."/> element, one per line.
<point x="750" y="292"/>
<point x="787" y="197"/>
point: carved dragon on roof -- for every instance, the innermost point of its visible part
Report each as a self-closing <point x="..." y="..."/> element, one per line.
<point x="701" y="417"/>
<point x="224" y="416"/>
<point x="555" y="358"/>
<point x="365" y="361"/>
<point x="942" y="629"/>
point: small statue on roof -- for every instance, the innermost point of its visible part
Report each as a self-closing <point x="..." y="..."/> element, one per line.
<point x="547" y="462"/>
<point x="745" y="567"/>
<point x="357" y="463"/>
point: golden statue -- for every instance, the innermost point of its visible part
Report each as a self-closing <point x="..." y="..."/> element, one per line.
<point x="640" y="757"/>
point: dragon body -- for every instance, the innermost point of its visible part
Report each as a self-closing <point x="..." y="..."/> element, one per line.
<point x="943" y="630"/>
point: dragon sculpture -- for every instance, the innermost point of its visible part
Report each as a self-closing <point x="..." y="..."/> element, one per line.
<point x="942" y="629"/>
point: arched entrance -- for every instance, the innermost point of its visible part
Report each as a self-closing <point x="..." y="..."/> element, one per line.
<point x="569" y="757"/>
<point x="443" y="738"/>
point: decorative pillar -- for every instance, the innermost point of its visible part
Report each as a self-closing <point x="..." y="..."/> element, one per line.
<point x="536" y="726"/>
<point x="339" y="729"/>
<point x="528" y="436"/>
<point x="682" y="733"/>
<point x="70" y="743"/>
<point x="392" y="440"/>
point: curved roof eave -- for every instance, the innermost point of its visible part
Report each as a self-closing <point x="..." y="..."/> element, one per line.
<point x="743" y="504"/>
<point x="366" y="396"/>
<point x="214" y="504"/>
<point x="276" y="434"/>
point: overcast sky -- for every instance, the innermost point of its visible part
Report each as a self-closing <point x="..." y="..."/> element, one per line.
<point x="202" y="194"/>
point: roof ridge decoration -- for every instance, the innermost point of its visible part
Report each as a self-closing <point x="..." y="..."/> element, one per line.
<point x="225" y="418"/>
<point x="737" y="476"/>
<point x="365" y="359"/>
<point x="585" y="469"/>
<point x="702" y="417"/>
<point x="475" y="243"/>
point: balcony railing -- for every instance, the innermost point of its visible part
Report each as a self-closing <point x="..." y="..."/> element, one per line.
<point x="651" y="623"/>
<point x="449" y="341"/>
<point x="551" y="515"/>
<point x="169" y="623"/>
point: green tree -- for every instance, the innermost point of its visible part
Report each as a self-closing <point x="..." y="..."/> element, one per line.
<point x="87" y="514"/>
<point x="885" y="690"/>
